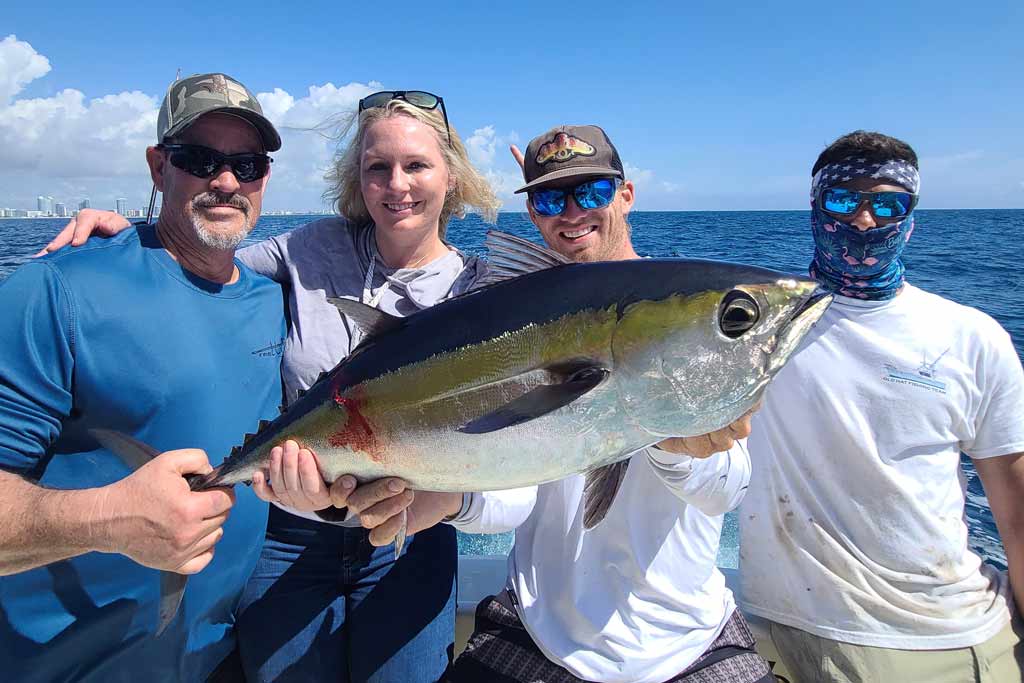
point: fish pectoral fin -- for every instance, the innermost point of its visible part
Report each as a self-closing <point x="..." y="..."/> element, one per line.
<point x="371" y="321"/>
<point x="130" y="450"/>
<point x="172" y="589"/>
<point x="403" y="531"/>
<point x="539" y="401"/>
<point x="599" y="491"/>
<point x="509" y="256"/>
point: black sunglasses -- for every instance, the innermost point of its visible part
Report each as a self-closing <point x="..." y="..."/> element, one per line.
<point x="417" y="98"/>
<point x="203" y="162"/>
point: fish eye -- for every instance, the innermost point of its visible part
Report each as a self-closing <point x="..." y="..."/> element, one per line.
<point x="739" y="313"/>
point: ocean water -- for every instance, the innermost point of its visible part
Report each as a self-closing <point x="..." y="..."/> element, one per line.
<point x="970" y="256"/>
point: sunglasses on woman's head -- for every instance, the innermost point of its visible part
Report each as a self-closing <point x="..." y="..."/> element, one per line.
<point x="203" y="162"/>
<point x="417" y="98"/>
<point x="593" y="194"/>
<point x="885" y="205"/>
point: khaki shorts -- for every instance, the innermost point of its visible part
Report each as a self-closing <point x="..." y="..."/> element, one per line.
<point x="810" y="659"/>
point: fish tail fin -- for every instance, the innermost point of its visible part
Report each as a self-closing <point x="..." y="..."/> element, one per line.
<point x="198" y="482"/>
<point x="135" y="454"/>
<point x="130" y="450"/>
<point x="172" y="589"/>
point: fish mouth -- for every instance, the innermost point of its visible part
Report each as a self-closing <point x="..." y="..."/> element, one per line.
<point x="802" y="319"/>
<point x="813" y="300"/>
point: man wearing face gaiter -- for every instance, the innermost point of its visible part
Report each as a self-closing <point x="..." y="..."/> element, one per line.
<point x="853" y="536"/>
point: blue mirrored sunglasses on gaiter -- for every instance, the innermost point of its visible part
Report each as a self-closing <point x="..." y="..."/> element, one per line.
<point x="594" y="194"/>
<point x="843" y="202"/>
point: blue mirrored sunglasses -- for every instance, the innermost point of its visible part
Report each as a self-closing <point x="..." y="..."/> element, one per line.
<point x="845" y="202"/>
<point x="594" y="194"/>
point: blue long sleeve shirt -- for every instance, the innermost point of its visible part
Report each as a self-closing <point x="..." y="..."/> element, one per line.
<point x="117" y="335"/>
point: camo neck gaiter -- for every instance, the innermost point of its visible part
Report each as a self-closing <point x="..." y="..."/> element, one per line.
<point x="864" y="264"/>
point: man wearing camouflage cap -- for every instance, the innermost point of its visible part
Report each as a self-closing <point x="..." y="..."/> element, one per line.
<point x="160" y="334"/>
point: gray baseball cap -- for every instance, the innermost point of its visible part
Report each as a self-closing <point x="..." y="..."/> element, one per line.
<point x="570" y="151"/>
<point x="189" y="98"/>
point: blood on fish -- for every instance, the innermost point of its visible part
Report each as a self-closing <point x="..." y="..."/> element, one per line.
<point x="357" y="433"/>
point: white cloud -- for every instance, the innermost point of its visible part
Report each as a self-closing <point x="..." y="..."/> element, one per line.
<point x="309" y="127"/>
<point x="19" y="66"/>
<point x="948" y="161"/>
<point x="70" y="146"/>
<point x="652" y="193"/>
<point x="488" y="150"/>
<point x="639" y="176"/>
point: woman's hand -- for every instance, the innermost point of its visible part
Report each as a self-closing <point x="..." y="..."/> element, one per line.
<point x="293" y="479"/>
<point x="87" y="223"/>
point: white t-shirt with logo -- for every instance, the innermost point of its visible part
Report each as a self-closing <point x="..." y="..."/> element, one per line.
<point x="853" y="527"/>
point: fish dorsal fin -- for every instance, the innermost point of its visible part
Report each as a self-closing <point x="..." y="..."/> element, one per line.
<point x="578" y="379"/>
<point x="509" y="256"/>
<point x="235" y="450"/>
<point x="247" y="438"/>
<point x="599" y="491"/>
<point x="262" y="425"/>
<point x="371" y="321"/>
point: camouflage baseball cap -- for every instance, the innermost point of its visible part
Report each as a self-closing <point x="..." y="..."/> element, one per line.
<point x="189" y="98"/>
<point x="569" y="152"/>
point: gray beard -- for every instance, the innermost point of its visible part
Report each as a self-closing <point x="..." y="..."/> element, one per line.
<point x="216" y="240"/>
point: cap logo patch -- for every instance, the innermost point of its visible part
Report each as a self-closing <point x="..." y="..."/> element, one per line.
<point x="216" y="89"/>
<point x="562" y="148"/>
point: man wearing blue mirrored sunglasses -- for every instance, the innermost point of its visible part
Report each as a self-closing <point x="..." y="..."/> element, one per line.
<point x="853" y="539"/>
<point x="578" y="195"/>
<point x="637" y="598"/>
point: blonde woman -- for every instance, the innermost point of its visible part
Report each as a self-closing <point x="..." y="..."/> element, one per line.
<point x="324" y="603"/>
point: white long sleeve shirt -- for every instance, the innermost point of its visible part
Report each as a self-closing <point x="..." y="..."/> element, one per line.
<point x="637" y="598"/>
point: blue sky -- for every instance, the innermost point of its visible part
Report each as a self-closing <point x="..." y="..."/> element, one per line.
<point x="713" y="106"/>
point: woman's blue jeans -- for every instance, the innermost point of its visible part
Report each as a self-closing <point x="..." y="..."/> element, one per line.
<point x="323" y="604"/>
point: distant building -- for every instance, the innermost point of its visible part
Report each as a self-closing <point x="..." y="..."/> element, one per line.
<point x="44" y="205"/>
<point x="60" y="210"/>
<point x="84" y="204"/>
<point x="122" y="206"/>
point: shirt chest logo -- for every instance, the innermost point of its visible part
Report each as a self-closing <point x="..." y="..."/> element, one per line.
<point x="271" y="350"/>
<point x="925" y="376"/>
